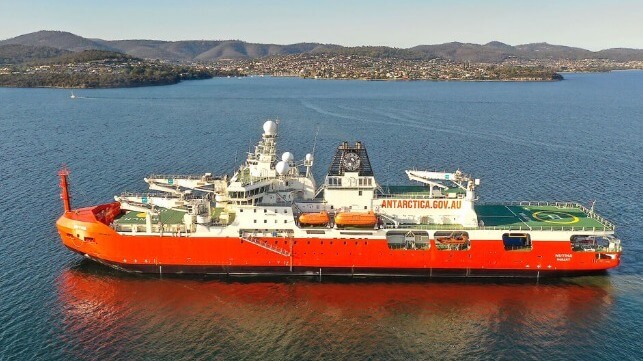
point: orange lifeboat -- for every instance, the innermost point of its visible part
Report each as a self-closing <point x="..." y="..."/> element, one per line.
<point x="314" y="219"/>
<point x="356" y="219"/>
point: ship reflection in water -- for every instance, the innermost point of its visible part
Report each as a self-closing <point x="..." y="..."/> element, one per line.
<point x="109" y="315"/>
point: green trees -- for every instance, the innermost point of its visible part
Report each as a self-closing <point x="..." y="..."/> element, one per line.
<point x="97" y="69"/>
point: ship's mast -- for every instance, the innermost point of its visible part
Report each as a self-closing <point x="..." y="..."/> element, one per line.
<point x="63" y="173"/>
<point x="261" y="162"/>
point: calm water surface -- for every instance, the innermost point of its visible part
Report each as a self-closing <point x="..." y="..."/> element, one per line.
<point x="579" y="139"/>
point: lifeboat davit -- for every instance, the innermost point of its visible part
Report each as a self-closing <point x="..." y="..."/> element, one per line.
<point x="314" y="219"/>
<point x="359" y="219"/>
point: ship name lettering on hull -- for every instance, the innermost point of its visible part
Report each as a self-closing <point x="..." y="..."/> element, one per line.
<point x="421" y="203"/>
<point x="563" y="257"/>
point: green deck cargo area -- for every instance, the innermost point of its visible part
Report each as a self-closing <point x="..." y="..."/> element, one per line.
<point x="166" y="216"/>
<point x="539" y="217"/>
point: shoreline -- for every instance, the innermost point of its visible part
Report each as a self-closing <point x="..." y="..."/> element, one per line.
<point x="332" y="79"/>
<point x="298" y="77"/>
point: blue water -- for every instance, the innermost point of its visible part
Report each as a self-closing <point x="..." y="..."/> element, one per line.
<point x="579" y="139"/>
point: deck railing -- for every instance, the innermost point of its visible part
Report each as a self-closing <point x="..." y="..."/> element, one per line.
<point x="459" y="227"/>
<point x="420" y="195"/>
<point x="182" y="176"/>
<point x="162" y="195"/>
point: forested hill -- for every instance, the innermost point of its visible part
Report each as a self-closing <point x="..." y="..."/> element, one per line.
<point x="29" y="66"/>
<point x="19" y="54"/>
<point x="212" y="50"/>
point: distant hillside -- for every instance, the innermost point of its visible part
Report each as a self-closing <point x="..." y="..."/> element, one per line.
<point x="57" y="39"/>
<point x="18" y="54"/>
<point x="212" y="50"/>
<point x="86" y="56"/>
<point x="495" y="52"/>
<point x="621" y="54"/>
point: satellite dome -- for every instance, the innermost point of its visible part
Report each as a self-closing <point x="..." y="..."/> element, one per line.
<point x="287" y="157"/>
<point x="270" y="127"/>
<point x="309" y="157"/>
<point x="282" y="167"/>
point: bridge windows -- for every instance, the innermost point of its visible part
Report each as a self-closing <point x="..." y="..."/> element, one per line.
<point x="364" y="182"/>
<point x="334" y="181"/>
<point x="516" y="241"/>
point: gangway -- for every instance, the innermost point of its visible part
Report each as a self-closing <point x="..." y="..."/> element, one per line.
<point x="251" y="238"/>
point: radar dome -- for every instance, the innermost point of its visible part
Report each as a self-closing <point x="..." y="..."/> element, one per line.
<point x="309" y="157"/>
<point x="270" y="127"/>
<point x="287" y="157"/>
<point x="282" y="167"/>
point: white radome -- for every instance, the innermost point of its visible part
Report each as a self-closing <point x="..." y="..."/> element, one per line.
<point x="270" y="127"/>
<point x="309" y="157"/>
<point x="287" y="157"/>
<point x="282" y="167"/>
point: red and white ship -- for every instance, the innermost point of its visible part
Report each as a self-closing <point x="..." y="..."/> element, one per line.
<point x="271" y="218"/>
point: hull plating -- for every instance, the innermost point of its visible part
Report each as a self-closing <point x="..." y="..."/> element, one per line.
<point x="314" y="256"/>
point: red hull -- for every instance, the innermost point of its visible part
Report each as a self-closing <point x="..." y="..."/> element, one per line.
<point x="85" y="231"/>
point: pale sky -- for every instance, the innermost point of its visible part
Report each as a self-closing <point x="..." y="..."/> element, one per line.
<point x="589" y="24"/>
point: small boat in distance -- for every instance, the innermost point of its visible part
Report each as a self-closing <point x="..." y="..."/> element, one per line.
<point x="72" y="95"/>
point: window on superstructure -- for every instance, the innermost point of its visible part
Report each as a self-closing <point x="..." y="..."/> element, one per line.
<point x="408" y="240"/>
<point x="452" y="240"/>
<point x="589" y="243"/>
<point x="516" y="241"/>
